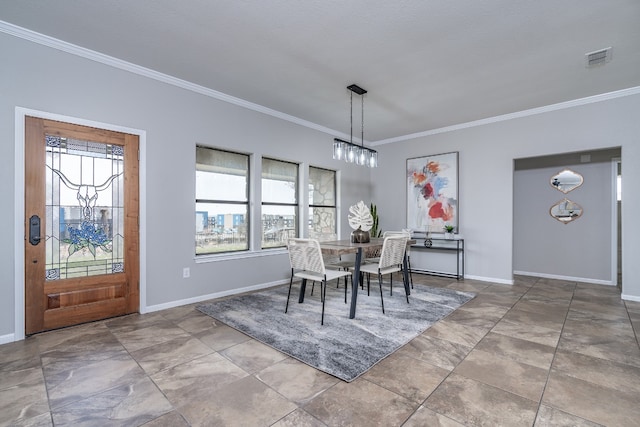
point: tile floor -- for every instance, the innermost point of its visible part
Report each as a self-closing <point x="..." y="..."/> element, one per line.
<point x="540" y="352"/>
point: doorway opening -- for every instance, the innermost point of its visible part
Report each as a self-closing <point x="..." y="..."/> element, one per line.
<point x="617" y="167"/>
<point x="546" y="243"/>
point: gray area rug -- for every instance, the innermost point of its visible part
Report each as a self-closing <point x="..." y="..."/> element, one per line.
<point x="343" y="347"/>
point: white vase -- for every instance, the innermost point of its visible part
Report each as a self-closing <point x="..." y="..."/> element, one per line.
<point x="448" y="236"/>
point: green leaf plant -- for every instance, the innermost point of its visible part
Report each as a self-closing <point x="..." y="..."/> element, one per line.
<point x="375" y="231"/>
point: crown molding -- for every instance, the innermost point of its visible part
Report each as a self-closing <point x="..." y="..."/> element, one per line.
<point x="519" y="114"/>
<point x="54" y="43"/>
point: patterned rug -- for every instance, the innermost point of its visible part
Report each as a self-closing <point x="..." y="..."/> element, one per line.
<point x="343" y="347"/>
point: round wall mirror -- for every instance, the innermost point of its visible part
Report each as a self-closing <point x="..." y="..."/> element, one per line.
<point x="566" y="211"/>
<point x="566" y="180"/>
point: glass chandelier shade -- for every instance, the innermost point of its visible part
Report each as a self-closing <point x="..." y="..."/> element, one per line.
<point x="373" y="159"/>
<point x="351" y="154"/>
<point x="360" y="156"/>
<point x="338" y="149"/>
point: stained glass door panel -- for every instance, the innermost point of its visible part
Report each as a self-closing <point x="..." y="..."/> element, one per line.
<point x="84" y="208"/>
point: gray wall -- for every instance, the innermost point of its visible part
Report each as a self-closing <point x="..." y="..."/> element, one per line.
<point x="41" y="78"/>
<point x="487" y="154"/>
<point x="175" y="120"/>
<point x="545" y="247"/>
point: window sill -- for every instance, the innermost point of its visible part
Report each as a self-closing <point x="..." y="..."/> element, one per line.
<point x="201" y="259"/>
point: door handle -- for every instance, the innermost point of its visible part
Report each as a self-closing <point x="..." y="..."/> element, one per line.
<point x="34" y="230"/>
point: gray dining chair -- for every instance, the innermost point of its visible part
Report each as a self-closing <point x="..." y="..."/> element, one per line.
<point x="391" y="258"/>
<point x="306" y="262"/>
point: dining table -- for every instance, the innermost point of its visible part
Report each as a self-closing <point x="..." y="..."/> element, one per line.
<point x="342" y="247"/>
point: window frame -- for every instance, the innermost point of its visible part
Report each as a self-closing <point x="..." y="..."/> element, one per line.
<point x="296" y="205"/>
<point x="312" y="205"/>
<point x="246" y="203"/>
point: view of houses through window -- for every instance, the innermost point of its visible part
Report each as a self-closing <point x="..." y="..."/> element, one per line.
<point x="222" y="202"/>
<point x="279" y="202"/>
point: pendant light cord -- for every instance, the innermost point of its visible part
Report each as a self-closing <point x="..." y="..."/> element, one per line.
<point x="351" y="117"/>
<point x="362" y="122"/>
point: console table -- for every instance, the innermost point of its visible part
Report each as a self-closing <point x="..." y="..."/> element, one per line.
<point x="440" y="244"/>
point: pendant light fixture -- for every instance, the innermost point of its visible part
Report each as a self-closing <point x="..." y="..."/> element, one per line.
<point x="348" y="150"/>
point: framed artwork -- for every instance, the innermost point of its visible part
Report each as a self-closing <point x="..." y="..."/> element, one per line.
<point x="432" y="192"/>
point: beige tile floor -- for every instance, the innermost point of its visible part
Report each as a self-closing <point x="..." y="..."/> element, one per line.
<point x="540" y="352"/>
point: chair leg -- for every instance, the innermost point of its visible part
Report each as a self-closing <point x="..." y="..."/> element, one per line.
<point x="380" y="284"/>
<point x="390" y="283"/>
<point x="289" y="294"/>
<point x="410" y="273"/>
<point x="323" y="293"/>
<point x="346" y="285"/>
<point x="405" y="289"/>
<point x="345" y="279"/>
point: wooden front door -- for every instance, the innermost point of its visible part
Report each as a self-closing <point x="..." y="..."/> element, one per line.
<point x="81" y="224"/>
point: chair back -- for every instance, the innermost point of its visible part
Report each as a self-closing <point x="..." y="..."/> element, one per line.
<point x="305" y="255"/>
<point x="322" y="237"/>
<point x="404" y="232"/>
<point x="393" y="249"/>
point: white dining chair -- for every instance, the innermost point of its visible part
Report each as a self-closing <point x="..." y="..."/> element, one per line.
<point x="405" y="232"/>
<point x="391" y="258"/>
<point x="332" y="262"/>
<point x="306" y="262"/>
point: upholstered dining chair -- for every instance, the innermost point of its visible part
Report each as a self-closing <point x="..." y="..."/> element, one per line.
<point x="390" y="262"/>
<point x="306" y="262"/>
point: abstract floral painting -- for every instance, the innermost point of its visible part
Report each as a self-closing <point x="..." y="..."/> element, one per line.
<point x="432" y="192"/>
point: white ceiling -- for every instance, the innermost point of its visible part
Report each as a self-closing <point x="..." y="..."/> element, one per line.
<point x="427" y="64"/>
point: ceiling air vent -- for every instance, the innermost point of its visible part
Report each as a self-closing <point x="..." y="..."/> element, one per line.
<point x="599" y="57"/>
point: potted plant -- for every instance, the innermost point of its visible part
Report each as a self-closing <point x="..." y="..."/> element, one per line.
<point x="361" y="221"/>
<point x="375" y="230"/>
<point x="448" y="231"/>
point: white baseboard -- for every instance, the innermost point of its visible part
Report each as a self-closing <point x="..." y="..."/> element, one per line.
<point x="200" y="298"/>
<point x="630" y="297"/>
<point x="489" y="279"/>
<point x="566" y="278"/>
<point x="5" y="339"/>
